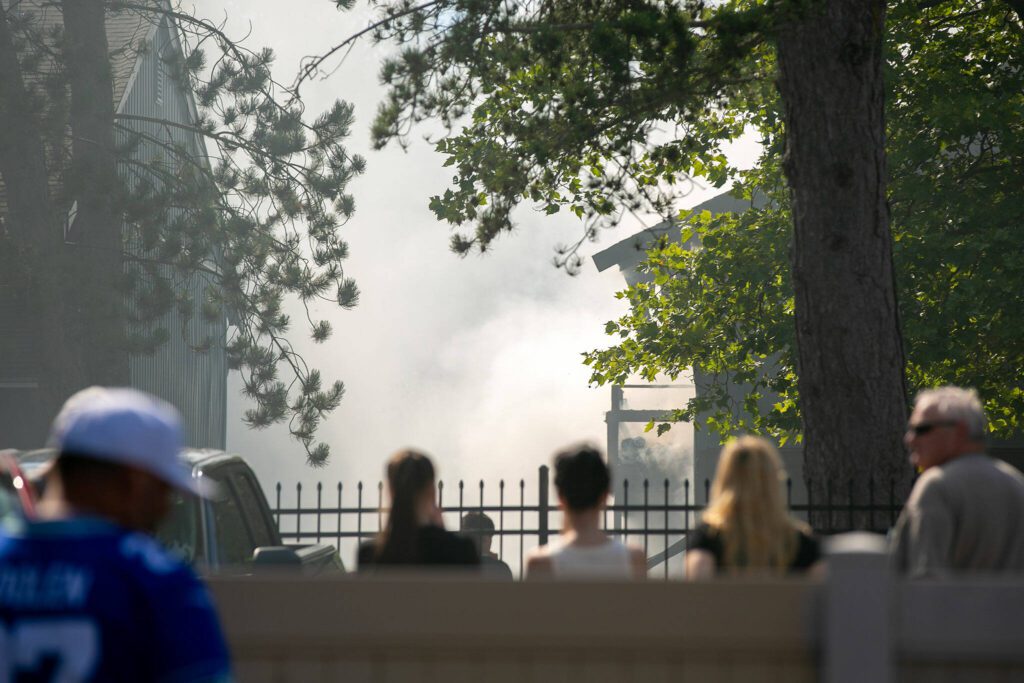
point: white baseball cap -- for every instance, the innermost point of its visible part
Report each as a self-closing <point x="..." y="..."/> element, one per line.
<point x="127" y="427"/>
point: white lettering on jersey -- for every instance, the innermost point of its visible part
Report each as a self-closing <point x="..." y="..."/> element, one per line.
<point x="70" y="646"/>
<point x="58" y="586"/>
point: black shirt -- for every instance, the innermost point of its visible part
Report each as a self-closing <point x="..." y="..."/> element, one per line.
<point x="707" y="538"/>
<point x="434" y="546"/>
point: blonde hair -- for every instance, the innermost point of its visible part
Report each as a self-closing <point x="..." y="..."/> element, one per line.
<point x="747" y="508"/>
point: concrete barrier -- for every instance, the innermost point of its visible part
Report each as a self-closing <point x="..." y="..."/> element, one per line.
<point x="860" y="625"/>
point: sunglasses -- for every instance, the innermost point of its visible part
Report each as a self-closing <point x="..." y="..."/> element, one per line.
<point x="922" y="428"/>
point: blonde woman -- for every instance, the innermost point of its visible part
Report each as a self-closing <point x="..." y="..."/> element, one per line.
<point x="747" y="528"/>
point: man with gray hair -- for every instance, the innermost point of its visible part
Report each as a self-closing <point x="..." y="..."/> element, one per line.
<point x="966" y="512"/>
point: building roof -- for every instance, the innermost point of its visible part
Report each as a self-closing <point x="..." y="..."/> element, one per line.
<point x="128" y="32"/>
<point x="629" y="252"/>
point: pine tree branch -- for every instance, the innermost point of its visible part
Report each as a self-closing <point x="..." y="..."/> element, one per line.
<point x="312" y="67"/>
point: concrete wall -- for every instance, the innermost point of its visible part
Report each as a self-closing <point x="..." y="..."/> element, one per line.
<point x="418" y="629"/>
<point x="860" y="625"/>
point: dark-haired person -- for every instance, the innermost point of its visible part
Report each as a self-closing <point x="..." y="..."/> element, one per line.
<point x="583" y="550"/>
<point x="746" y="527"/>
<point x="86" y="594"/>
<point x="414" y="533"/>
<point x="479" y="528"/>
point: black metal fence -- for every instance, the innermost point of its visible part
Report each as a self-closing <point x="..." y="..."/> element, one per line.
<point x="655" y="516"/>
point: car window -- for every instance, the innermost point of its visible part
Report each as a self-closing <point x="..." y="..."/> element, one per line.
<point x="253" y="507"/>
<point x="233" y="541"/>
<point x="11" y="515"/>
<point x="180" y="531"/>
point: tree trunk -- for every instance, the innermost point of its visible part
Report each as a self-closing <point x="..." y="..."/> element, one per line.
<point x="853" y="394"/>
<point x="32" y="262"/>
<point x="93" y="183"/>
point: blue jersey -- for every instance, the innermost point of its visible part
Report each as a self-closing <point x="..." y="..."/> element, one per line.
<point x="83" y="600"/>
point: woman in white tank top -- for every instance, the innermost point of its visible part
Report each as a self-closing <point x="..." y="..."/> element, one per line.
<point x="584" y="551"/>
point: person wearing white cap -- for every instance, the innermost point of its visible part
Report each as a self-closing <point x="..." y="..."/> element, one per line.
<point x="86" y="594"/>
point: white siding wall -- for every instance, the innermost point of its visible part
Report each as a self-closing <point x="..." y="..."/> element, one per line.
<point x="194" y="381"/>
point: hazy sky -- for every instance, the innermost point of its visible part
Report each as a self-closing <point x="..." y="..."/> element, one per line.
<point x="475" y="360"/>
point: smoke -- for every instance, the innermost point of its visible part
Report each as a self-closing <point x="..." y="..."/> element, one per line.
<point x="477" y="361"/>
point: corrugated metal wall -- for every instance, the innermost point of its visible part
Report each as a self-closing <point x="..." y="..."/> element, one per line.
<point x="193" y="380"/>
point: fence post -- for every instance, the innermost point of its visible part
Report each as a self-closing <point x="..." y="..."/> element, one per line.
<point x="858" y="617"/>
<point x="277" y="510"/>
<point x="542" y="505"/>
<point x="298" y="512"/>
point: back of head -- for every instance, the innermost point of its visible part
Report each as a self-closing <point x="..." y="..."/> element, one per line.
<point x="478" y="522"/>
<point x="957" y="405"/>
<point x="410" y="476"/>
<point x="747" y="506"/>
<point x="582" y="478"/>
<point x="83" y="477"/>
<point x="476" y="526"/>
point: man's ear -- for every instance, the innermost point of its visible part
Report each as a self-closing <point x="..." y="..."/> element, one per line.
<point x="963" y="432"/>
<point x="135" y="482"/>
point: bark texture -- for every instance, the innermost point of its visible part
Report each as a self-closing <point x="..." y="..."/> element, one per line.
<point x="71" y="291"/>
<point x="33" y="260"/>
<point x="92" y="181"/>
<point x="850" y="354"/>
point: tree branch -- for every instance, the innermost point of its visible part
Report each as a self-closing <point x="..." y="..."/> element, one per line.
<point x="311" y="67"/>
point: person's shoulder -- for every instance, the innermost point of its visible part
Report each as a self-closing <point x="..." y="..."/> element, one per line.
<point x="961" y="476"/>
<point x="1009" y="471"/>
<point x="461" y="547"/>
<point x="705" y="528"/>
<point x="808" y="550"/>
<point x="540" y="552"/>
<point x="630" y="549"/>
<point x="159" y="573"/>
<point x="170" y="587"/>
<point x="933" y="482"/>
<point x="366" y="553"/>
<point x="97" y="542"/>
<point x="444" y="547"/>
<point x="440" y="535"/>
<point x="637" y="561"/>
<point x="539" y="563"/>
<point x="971" y="465"/>
<point x="496" y="567"/>
<point x="702" y="536"/>
<point x="146" y="555"/>
<point x="10" y="541"/>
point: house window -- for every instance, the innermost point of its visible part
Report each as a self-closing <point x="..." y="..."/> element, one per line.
<point x="69" y="223"/>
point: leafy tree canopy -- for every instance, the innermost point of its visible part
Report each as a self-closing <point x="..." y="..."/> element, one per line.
<point x="557" y="103"/>
<point x="607" y="107"/>
<point x="956" y="152"/>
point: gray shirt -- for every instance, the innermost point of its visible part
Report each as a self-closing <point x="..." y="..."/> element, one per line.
<point x="966" y="515"/>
